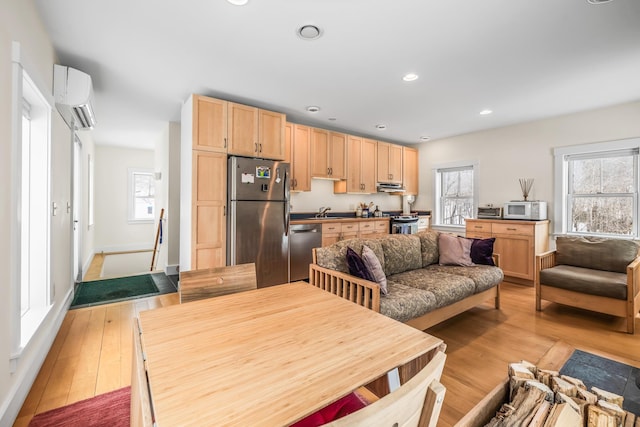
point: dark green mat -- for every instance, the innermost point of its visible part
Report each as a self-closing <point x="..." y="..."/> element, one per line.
<point x="113" y="290"/>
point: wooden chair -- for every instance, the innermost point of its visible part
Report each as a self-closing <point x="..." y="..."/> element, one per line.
<point x="141" y="411"/>
<point x="212" y="282"/>
<point x="561" y="276"/>
<point x="415" y="403"/>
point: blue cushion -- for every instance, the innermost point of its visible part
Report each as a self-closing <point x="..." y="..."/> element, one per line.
<point x="482" y="251"/>
<point x="357" y="267"/>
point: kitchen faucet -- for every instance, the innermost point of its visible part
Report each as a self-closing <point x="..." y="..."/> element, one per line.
<point x="322" y="212"/>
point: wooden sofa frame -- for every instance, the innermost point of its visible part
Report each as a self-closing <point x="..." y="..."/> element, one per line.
<point x="367" y="294"/>
<point x="616" y="307"/>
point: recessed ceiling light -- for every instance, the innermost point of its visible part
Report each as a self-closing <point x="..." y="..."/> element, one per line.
<point x="381" y="127"/>
<point x="598" y="1"/>
<point x="333" y="119"/>
<point x="485" y="112"/>
<point x="238" y="2"/>
<point x="313" y="109"/>
<point x="309" y="32"/>
<point x="425" y="138"/>
<point x="410" y="77"/>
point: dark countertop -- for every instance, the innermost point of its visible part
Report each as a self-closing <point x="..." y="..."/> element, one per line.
<point x="308" y="217"/>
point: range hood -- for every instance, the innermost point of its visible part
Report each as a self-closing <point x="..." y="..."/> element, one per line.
<point x="385" y="187"/>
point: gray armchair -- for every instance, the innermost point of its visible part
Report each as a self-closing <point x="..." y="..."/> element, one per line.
<point x="597" y="274"/>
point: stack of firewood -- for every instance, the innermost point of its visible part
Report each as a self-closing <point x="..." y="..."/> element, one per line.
<point x="544" y="398"/>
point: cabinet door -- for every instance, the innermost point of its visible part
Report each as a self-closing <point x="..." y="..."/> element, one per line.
<point x="288" y="146"/>
<point x="319" y="153"/>
<point x="301" y="177"/>
<point x="410" y="170"/>
<point x="383" y="162"/>
<point x="243" y="130"/>
<point x="209" y="124"/>
<point x="354" y="155"/>
<point x="517" y="257"/>
<point x="271" y="135"/>
<point x="368" y="167"/>
<point x="208" y="222"/>
<point x="395" y="163"/>
<point x="337" y="155"/>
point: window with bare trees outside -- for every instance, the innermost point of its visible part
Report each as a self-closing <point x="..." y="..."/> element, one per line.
<point x="596" y="189"/>
<point x="454" y="195"/>
<point x="602" y="192"/>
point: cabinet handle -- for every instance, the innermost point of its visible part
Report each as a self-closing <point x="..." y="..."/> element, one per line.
<point x="511" y="229"/>
<point x="224" y="211"/>
<point x="477" y="226"/>
<point x="260" y="145"/>
<point x="225" y="143"/>
<point x="255" y="149"/>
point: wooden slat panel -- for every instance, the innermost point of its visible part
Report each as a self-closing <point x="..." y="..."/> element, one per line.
<point x="213" y="282"/>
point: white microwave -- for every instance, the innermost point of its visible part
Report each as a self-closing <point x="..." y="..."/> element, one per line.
<point x="533" y="210"/>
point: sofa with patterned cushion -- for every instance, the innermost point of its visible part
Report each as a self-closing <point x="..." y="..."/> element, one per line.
<point x="420" y="291"/>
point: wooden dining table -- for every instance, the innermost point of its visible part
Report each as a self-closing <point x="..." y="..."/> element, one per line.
<point x="267" y="357"/>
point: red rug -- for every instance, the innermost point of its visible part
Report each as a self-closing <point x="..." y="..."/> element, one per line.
<point x="105" y="410"/>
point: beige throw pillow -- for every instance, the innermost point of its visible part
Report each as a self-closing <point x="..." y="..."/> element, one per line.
<point x="454" y="250"/>
<point x="375" y="268"/>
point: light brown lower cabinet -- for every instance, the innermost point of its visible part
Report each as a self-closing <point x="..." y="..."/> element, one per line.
<point x="517" y="243"/>
<point x="333" y="232"/>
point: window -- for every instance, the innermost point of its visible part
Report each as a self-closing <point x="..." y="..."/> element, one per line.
<point x="599" y="190"/>
<point x="33" y="166"/>
<point x="141" y="195"/>
<point x="455" y="195"/>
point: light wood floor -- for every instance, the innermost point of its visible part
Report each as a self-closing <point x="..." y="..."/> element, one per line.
<point x="92" y="352"/>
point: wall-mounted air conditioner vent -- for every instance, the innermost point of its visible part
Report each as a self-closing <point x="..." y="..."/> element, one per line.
<point x="73" y="92"/>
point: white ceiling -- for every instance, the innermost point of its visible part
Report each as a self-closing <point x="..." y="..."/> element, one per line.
<point x="523" y="59"/>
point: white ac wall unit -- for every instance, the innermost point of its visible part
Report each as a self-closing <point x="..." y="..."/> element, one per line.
<point x="73" y="93"/>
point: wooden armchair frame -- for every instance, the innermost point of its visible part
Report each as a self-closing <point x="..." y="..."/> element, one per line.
<point x="627" y="309"/>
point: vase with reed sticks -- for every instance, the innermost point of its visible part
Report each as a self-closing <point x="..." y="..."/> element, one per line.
<point x="525" y="185"/>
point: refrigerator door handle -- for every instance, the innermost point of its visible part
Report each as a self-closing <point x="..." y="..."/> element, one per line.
<point x="286" y="202"/>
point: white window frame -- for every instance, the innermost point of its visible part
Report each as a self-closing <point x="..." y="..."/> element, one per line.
<point x="37" y="222"/>
<point x="561" y="179"/>
<point x="437" y="179"/>
<point x="131" y="195"/>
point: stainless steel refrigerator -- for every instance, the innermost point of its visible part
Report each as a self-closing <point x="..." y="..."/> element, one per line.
<point x="258" y="220"/>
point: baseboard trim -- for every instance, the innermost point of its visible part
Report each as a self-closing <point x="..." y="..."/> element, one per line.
<point x="172" y="269"/>
<point x="31" y="360"/>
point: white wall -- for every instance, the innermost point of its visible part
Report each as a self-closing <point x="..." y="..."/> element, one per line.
<point x="173" y="221"/>
<point x="113" y="232"/>
<point x="20" y="22"/>
<point x="523" y="151"/>
<point x="167" y="162"/>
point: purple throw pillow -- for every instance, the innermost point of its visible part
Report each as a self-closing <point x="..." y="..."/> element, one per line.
<point x="357" y="267"/>
<point x="482" y="251"/>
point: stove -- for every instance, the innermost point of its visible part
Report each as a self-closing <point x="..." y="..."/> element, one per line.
<point x="404" y="224"/>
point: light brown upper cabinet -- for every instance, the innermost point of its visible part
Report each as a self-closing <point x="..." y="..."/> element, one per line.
<point x="254" y="132"/>
<point x="297" y="148"/>
<point x="361" y="167"/>
<point x="389" y="163"/>
<point x="328" y="153"/>
<point x="209" y="124"/>
<point x="410" y="170"/>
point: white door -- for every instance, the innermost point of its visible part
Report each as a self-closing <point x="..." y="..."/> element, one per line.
<point x="76" y="194"/>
